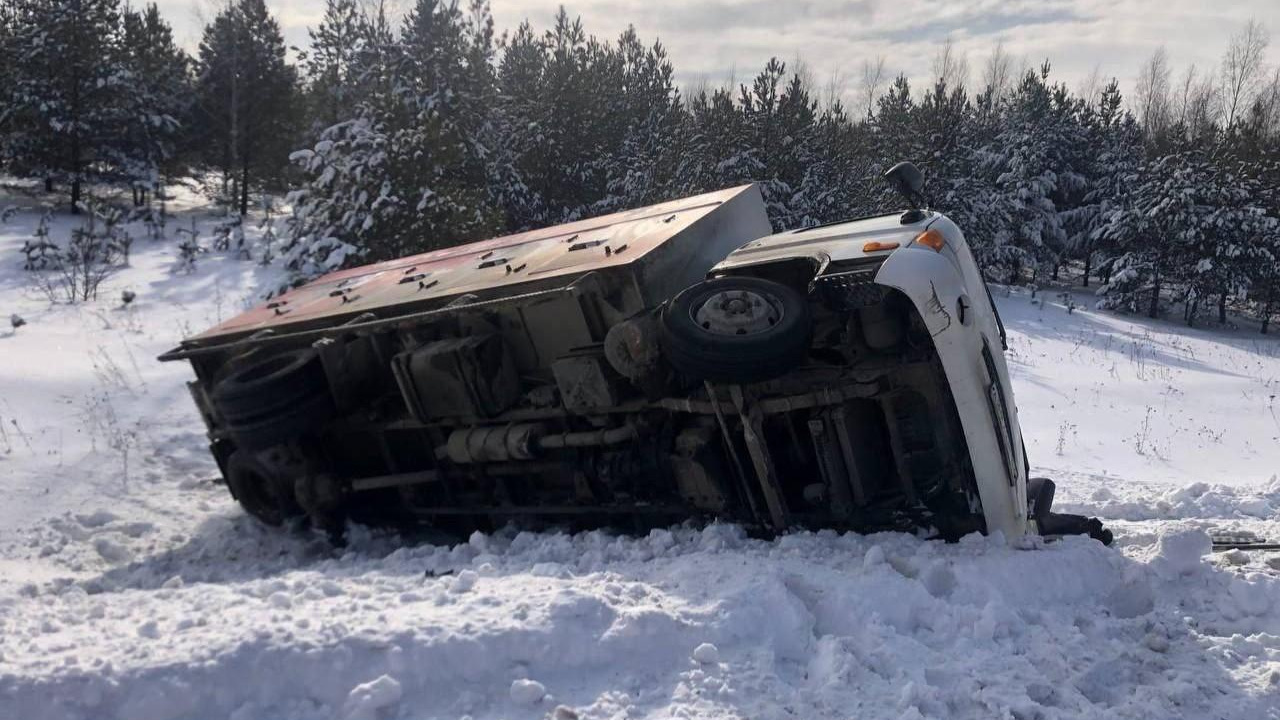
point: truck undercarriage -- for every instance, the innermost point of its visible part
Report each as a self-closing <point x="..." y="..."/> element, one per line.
<point x="441" y="422"/>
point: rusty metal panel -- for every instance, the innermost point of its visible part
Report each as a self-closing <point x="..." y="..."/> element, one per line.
<point x="429" y="279"/>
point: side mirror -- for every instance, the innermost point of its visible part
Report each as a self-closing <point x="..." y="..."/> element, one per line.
<point x="907" y="179"/>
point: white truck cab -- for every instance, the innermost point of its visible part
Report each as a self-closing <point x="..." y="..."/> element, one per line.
<point x="925" y="257"/>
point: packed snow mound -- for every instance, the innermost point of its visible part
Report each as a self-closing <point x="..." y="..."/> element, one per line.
<point x="1152" y="501"/>
<point x="704" y="622"/>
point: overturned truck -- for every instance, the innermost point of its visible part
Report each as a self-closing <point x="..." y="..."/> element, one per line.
<point x="670" y="362"/>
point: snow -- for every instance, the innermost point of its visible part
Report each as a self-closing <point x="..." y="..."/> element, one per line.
<point x="131" y="586"/>
<point x="366" y="700"/>
<point x="1183" y="550"/>
<point x="707" y="654"/>
<point x="1117" y="397"/>
<point x="527" y="692"/>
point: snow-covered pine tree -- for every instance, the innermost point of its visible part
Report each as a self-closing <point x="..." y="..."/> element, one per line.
<point x="946" y="127"/>
<point x="410" y="171"/>
<point x="1252" y="147"/>
<point x="1116" y="141"/>
<point x="560" y="127"/>
<point x="967" y="190"/>
<point x="645" y="115"/>
<point x="8" y="71"/>
<point x="1033" y="159"/>
<point x="796" y="151"/>
<point x="158" y="101"/>
<point x="718" y="151"/>
<point x="778" y="121"/>
<point x="1256" y="145"/>
<point x="65" y="102"/>
<point x="1231" y="224"/>
<point x="1154" y="232"/>
<point x="838" y="178"/>
<point x="334" y="210"/>
<point x="331" y="64"/>
<point x="439" y="152"/>
<point x="246" y="98"/>
<point x="519" y="83"/>
<point x="894" y="138"/>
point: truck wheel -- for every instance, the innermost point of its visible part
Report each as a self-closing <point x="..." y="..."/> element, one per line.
<point x="274" y="400"/>
<point x="308" y="414"/>
<point x="736" y="329"/>
<point x="259" y="491"/>
<point x="268" y="385"/>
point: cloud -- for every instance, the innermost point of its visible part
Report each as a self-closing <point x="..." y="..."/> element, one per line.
<point x="719" y="40"/>
<point x="982" y="24"/>
<point x="718" y="16"/>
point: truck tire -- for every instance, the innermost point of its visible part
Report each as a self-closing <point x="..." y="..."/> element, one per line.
<point x="306" y="415"/>
<point x="736" y="330"/>
<point x="274" y="399"/>
<point x="259" y="491"/>
<point x="269" y="385"/>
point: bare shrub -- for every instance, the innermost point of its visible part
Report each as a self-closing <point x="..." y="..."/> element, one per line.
<point x="95" y="251"/>
<point x="87" y="260"/>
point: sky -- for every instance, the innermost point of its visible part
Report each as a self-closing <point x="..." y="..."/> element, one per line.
<point x="724" y="41"/>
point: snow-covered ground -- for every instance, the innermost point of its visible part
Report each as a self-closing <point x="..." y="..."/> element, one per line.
<point x="132" y="587"/>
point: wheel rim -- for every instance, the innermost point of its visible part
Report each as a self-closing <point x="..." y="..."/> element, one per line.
<point x="737" y="313"/>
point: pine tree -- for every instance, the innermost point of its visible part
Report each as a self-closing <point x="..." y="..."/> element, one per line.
<point x="1033" y="160"/>
<point x="519" y="83"/>
<point x="158" y="101"/>
<point x="1154" y="231"/>
<point x="559" y="132"/>
<point x="66" y="100"/>
<point x="718" y="150"/>
<point x="410" y="171"/>
<point x="645" y="118"/>
<point x="779" y="124"/>
<point x="8" y="76"/>
<point x="246" y="97"/>
<point x="894" y="138"/>
<point x="837" y="178"/>
<point x="1116" y="140"/>
<point x="331" y="64"/>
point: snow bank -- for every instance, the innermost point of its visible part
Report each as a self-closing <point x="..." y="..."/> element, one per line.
<point x="699" y="621"/>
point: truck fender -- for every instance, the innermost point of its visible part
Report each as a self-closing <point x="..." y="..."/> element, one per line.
<point x="937" y="290"/>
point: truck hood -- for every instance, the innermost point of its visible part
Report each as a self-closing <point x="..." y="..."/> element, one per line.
<point x="826" y="243"/>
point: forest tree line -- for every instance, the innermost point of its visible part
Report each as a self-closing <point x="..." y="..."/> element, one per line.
<point x="394" y="135"/>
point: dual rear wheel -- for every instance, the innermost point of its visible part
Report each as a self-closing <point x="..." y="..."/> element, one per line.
<point x="266" y="404"/>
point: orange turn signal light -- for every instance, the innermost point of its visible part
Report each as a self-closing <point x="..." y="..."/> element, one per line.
<point x="876" y="246"/>
<point x="931" y="239"/>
